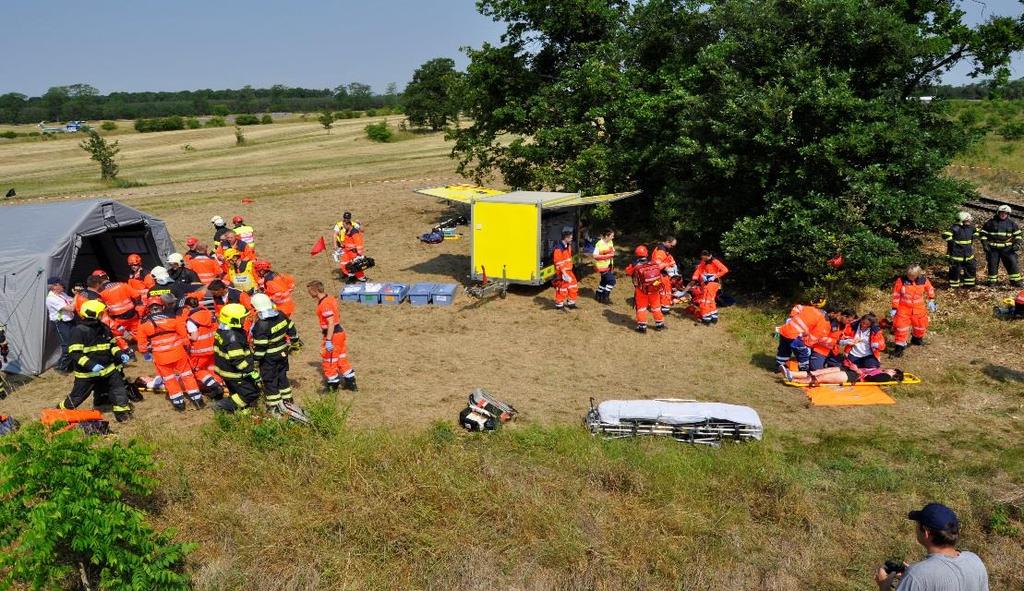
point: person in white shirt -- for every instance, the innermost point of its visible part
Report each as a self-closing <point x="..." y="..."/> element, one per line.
<point x="60" y="308"/>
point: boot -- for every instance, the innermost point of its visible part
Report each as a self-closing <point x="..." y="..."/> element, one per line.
<point x="216" y="391"/>
<point x="179" y="405"/>
<point x="641" y="328"/>
<point x="897" y="351"/>
<point x="199" y="402"/>
<point x="659" y="326"/>
<point x="917" y="341"/>
<point x="350" y="384"/>
<point x="123" y="415"/>
<point x="714" y="320"/>
<point x="134" y="394"/>
<point x="571" y="305"/>
<point x="666" y="309"/>
<point x="330" y="387"/>
<point x="599" y="296"/>
<point x="226" y="405"/>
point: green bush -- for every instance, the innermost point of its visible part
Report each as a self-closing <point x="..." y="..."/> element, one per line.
<point x="266" y="119"/>
<point x="9" y="135"/>
<point x="193" y="123"/>
<point x="172" y="123"/>
<point x="247" y="120"/>
<point x="71" y="508"/>
<point x="216" y="121"/>
<point x="108" y="126"/>
<point x="379" y="132"/>
<point x="1012" y="131"/>
<point x="221" y="110"/>
<point x="371" y="112"/>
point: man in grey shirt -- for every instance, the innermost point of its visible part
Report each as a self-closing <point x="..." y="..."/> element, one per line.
<point x="945" y="568"/>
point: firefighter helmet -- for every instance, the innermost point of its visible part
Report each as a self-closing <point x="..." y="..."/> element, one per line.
<point x="230" y="254"/>
<point x="134" y="259"/>
<point x="261" y="267"/>
<point x="261" y="302"/>
<point x="217" y="220"/>
<point x="641" y="251"/>
<point x="192" y="242"/>
<point x="175" y="258"/>
<point x="232" y="315"/>
<point x="152" y="301"/>
<point x="237" y="220"/>
<point x="92" y="309"/>
<point x="99" y="273"/>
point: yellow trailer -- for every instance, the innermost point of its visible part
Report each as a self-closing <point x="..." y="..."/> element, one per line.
<point x="512" y="233"/>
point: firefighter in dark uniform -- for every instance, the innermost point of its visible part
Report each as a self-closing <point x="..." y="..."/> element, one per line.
<point x="273" y="335"/>
<point x="233" y="362"/>
<point x="960" y="252"/>
<point x="96" y="360"/>
<point x="1000" y="237"/>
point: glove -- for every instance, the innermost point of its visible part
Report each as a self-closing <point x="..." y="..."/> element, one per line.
<point x="297" y="345"/>
<point x="932" y="306"/>
<point x="329" y="347"/>
<point x="845" y="342"/>
<point x="565" y="277"/>
<point x="147" y="356"/>
<point x="96" y="368"/>
<point x="125" y="358"/>
<point x="892" y="313"/>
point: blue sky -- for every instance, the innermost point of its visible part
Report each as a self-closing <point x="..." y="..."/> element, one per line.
<point x="189" y="44"/>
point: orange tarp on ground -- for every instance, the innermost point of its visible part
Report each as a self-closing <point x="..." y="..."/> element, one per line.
<point x="848" y="396"/>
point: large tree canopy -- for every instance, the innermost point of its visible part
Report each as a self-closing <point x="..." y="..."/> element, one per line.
<point x="783" y="131"/>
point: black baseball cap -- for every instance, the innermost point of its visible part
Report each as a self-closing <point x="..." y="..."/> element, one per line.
<point x="347" y="215"/>
<point x="54" y="281"/>
<point x="935" y="516"/>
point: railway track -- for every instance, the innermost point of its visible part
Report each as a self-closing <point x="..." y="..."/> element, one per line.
<point x="991" y="205"/>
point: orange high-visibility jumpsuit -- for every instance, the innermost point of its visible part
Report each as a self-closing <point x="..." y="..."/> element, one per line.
<point x="120" y="300"/>
<point x="910" y="299"/>
<point x="353" y="245"/>
<point x="201" y="327"/>
<point x="703" y="304"/>
<point x="279" y="288"/>
<point x="714" y="267"/>
<point x="667" y="263"/>
<point x="87" y="294"/>
<point x="806" y="323"/>
<point x="566" y="287"/>
<point x="334" y="363"/>
<point x="166" y="337"/>
<point x="206" y="268"/>
<point x="646" y="297"/>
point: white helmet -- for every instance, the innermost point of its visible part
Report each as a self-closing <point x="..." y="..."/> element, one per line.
<point x="217" y="221"/>
<point x="963" y="216"/>
<point x="1004" y="209"/>
<point x="261" y="303"/>
<point x="160" y="275"/>
<point x="175" y="258"/>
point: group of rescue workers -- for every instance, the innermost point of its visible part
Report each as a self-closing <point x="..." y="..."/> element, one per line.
<point x="214" y="322"/>
<point x="657" y="281"/>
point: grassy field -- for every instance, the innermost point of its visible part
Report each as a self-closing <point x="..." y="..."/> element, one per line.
<point x="386" y="494"/>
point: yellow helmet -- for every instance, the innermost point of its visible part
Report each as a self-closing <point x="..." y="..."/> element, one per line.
<point x="233" y="315"/>
<point x="1008" y="302"/>
<point x="230" y="254"/>
<point x="92" y="309"/>
<point x="819" y="303"/>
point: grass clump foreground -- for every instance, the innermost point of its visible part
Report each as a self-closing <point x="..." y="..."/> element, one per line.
<point x="279" y="506"/>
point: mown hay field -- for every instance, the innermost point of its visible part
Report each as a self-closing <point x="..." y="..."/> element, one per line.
<point x="385" y="494"/>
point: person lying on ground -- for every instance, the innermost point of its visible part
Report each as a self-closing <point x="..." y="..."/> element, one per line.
<point x="843" y="375"/>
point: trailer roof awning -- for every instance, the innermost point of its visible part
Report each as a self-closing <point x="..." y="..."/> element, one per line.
<point x="546" y="199"/>
<point x="460" y="193"/>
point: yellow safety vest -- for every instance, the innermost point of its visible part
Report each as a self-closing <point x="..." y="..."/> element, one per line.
<point x="246" y="234"/>
<point x="244" y="280"/>
<point x="603" y="247"/>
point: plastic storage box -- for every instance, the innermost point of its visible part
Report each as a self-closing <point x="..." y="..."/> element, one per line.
<point x="419" y="294"/>
<point x="393" y="293"/>
<point x="371" y="293"/>
<point x="443" y="294"/>
<point x="351" y="293"/>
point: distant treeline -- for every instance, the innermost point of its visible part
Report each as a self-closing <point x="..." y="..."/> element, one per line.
<point x="82" y="101"/>
<point x="979" y="90"/>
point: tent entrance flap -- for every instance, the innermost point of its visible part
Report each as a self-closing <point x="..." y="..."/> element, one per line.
<point x="109" y="250"/>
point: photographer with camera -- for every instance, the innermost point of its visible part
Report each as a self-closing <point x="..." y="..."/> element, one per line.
<point x="945" y="568"/>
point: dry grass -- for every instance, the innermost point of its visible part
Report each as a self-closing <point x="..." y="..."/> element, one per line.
<point x="391" y="501"/>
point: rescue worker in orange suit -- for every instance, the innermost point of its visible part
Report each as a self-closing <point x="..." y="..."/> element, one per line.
<point x="201" y="326"/>
<point x="913" y="297"/>
<point x="230" y="241"/>
<point x="233" y="360"/>
<point x="192" y="246"/>
<point x="647" y="278"/>
<point x="703" y="300"/>
<point x="217" y="294"/>
<point x="1000" y="238"/>
<point x="91" y="292"/>
<point x="138" y="278"/>
<point x="273" y="334"/>
<point x="244" y="231"/>
<point x="163" y="340"/>
<point x="349" y="239"/>
<point x="204" y="266"/>
<point x="863" y="341"/>
<point x="823" y="352"/>
<point x="801" y="331"/>
<point x="960" y="251"/>
<point x="96" y="361"/>
<point x="278" y="286"/>
<point x="564" y="282"/>
<point x="662" y="256"/>
<point x="333" y="351"/>
<point x="241" y="273"/>
<point x="604" y="265"/>
<point x="708" y="265"/>
<point x="120" y="299"/>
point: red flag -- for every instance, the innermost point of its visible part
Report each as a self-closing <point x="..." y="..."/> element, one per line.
<point x="319" y="247"/>
<point x="247" y="201"/>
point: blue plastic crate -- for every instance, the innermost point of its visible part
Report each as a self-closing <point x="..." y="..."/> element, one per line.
<point x="443" y="294"/>
<point x="419" y="294"/>
<point x="371" y="294"/>
<point x="394" y="293"/>
<point x="351" y="293"/>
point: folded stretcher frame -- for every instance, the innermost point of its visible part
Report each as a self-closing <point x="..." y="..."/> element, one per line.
<point x="688" y="421"/>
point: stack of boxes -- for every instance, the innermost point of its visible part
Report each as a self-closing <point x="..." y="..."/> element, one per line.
<point x="418" y="294"/>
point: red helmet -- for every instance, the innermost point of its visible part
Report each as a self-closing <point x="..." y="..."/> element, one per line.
<point x="134" y="259"/>
<point x="640" y="251"/>
<point x="99" y="273"/>
<point x="191" y="242"/>
<point x="237" y="219"/>
<point x="154" y="301"/>
<point x="261" y="266"/>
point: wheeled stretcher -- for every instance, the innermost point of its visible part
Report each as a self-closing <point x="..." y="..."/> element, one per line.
<point x="689" y="421"/>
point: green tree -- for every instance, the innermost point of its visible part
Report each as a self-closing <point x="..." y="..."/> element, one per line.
<point x="433" y="96"/>
<point x="781" y="130"/>
<point x="71" y="512"/>
<point x="360" y="96"/>
<point x="327" y="120"/>
<point x="103" y="152"/>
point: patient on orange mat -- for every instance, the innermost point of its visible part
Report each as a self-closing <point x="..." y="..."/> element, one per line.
<point x="848" y="374"/>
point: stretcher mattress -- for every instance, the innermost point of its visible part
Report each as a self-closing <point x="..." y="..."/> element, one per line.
<point x="908" y="378"/>
<point x="684" y="420"/>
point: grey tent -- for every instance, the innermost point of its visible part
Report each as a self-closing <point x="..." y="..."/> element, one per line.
<point x="67" y="239"/>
